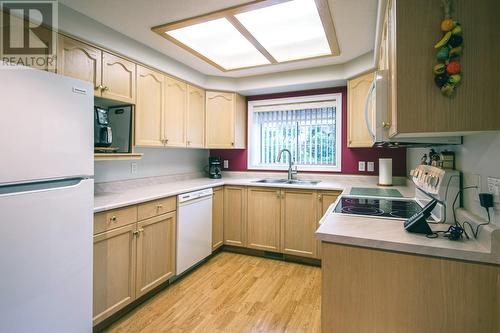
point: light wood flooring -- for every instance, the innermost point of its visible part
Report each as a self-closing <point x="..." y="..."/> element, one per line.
<point x="234" y="293"/>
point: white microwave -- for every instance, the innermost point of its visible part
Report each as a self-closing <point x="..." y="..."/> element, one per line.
<point x="377" y="119"/>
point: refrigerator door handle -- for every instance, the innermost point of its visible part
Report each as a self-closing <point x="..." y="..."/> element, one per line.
<point x="40" y="186"/>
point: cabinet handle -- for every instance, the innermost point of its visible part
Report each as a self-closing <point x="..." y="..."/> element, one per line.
<point x="386" y="125"/>
<point x="160" y="206"/>
<point x="189" y="142"/>
<point x="166" y="140"/>
<point x="320" y="197"/>
<point x="105" y="88"/>
<point x="278" y="194"/>
<point x="232" y="143"/>
<point x="135" y="233"/>
<point x="113" y="219"/>
<point x="100" y="87"/>
<point x="141" y="230"/>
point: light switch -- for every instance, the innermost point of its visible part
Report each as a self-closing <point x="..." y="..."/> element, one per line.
<point x="371" y="166"/>
<point x="133" y="168"/>
<point x="226" y="164"/>
<point x="361" y="166"/>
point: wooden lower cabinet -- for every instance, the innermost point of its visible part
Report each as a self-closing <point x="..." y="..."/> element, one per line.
<point x="299" y="222"/>
<point x="325" y="199"/>
<point x="155" y="252"/>
<point x="218" y="218"/>
<point x="235" y="202"/>
<point x="369" y="290"/>
<point x="114" y="271"/>
<point x="264" y="218"/>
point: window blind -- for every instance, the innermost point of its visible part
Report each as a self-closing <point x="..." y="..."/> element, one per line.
<point x="309" y="134"/>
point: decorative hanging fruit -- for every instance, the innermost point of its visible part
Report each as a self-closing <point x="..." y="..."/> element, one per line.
<point x="447" y="72"/>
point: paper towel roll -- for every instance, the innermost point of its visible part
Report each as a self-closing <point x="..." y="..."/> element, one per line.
<point x="385" y="171"/>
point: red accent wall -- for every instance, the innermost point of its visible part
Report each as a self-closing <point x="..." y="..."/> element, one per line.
<point x="350" y="156"/>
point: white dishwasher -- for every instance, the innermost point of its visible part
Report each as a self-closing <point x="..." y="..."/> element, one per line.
<point x="194" y="228"/>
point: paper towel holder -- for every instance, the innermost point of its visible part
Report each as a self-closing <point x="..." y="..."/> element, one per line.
<point x="384" y="172"/>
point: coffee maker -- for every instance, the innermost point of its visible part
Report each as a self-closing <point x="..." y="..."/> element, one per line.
<point x="103" y="136"/>
<point x="214" y="167"/>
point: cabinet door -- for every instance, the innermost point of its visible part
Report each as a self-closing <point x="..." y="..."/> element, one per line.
<point x="220" y="120"/>
<point x="195" y="117"/>
<point x="357" y="89"/>
<point x="79" y="60"/>
<point x="155" y="252"/>
<point x="325" y="199"/>
<point x="149" y="108"/>
<point x="118" y="78"/>
<point x="218" y="218"/>
<point x="299" y="223"/>
<point x="264" y="218"/>
<point x="235" y="215"/>
<point x="114" y="271"/>
<point x="174" y="112"/>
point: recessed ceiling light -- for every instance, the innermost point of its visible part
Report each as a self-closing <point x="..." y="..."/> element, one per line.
<point x="219" y="41"/>
<point x="289" y="31"/>
<point x="260" y="33"/>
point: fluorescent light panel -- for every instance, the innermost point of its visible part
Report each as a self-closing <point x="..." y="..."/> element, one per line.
<point x="288" y="31"/>
<point x="219" y="41"/>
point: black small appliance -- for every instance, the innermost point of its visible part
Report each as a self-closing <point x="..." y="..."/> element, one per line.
<point x="418" y="222"/>
<point x="103" y="136"/>
<point x="214" y="167"/>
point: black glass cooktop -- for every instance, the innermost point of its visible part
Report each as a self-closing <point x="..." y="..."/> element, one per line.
<point x="388" y="208"/>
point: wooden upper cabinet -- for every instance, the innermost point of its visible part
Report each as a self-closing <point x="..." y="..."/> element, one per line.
<point x="149" y="108"/>
<point x="114" y="271"/>
<point x="264" y="218"/>
<point x="417" y="103"/>
<point x="155" y="252"/>
<point x="299" y="223"/>
<point x="357" y="131"/>
<point x="218" y="218"/>
<point x="174" y="119"/>
<point x="118" y="78"/>
<point x="225" y="120"/>
<point x="80" y="61"/>
<point x="195" y="117"/>
<point x="235" y="202"/>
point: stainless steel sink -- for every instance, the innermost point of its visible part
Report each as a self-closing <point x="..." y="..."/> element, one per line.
<point x="286" y="181"/>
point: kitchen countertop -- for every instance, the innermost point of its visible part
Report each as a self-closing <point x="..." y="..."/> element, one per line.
<point x="388" y="234"/>
<point x="115" y="198"/>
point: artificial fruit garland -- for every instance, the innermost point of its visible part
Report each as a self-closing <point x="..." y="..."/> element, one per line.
<point x="447" y="72"/>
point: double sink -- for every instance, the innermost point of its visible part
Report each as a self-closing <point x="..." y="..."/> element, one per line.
<point x="287" y="181"/>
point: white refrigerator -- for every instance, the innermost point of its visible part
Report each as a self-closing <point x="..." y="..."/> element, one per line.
<point x="46" y="202"/>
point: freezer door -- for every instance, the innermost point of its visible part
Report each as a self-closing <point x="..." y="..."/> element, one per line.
<point x="46" y="127"/>
<point x="46" y="258"/>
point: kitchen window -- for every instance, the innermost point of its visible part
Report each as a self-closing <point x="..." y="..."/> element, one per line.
<point x="310" y="127"/>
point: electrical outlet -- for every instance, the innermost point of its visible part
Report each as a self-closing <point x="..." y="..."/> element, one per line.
<point x="133" y="168"/>
<point x="361" y="166"/>
<point x="371" y="166"/>
<point x="226" y="164"/>
<point x="494" y="185"/>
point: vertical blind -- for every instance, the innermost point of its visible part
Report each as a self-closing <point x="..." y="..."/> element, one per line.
<point x="309" y="134"/>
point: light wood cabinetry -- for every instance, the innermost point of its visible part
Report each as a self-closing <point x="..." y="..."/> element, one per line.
<point x="134" y="252"/>
<point x="155" y="252"/>
<point x="264" y="218"/>
<point x="383" y="291"/>
<point x="357" y="131"/>
<point x="149" y="108"/>
<point x="175" y="112"/>
<point x="118" y="78"/>
<point x="235" y="213"/>
<point x="114" y="271"/>
<point x="195" y="117"/>
<point x="299" y="222"/>
<point x="417" y="105"/>
<point x="225" y="120"/>
<point x="325" y="200"/>
<point x="80" y="61"/>
<point x="218" y="218"/>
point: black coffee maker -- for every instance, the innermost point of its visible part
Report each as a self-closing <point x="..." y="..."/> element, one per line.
<point x="214" y="167"/>
<point x="103" y="136"/>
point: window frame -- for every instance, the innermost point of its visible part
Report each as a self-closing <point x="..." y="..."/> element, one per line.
<point x="300" y="99"/>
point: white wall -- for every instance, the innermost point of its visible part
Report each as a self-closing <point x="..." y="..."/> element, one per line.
<point x="155" y="162"/>
<point x="478" y="158"/>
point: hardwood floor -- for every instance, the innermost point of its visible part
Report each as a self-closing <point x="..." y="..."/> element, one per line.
<point x="234" y="293"/>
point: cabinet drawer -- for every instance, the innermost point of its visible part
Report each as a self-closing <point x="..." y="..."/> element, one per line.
<point x="114" y="218"/>
<point x="156" y="207"/>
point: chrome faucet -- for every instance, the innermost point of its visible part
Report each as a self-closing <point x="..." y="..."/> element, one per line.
<point x="292" y="174"/>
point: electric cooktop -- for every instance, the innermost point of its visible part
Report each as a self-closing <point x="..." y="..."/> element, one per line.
<point x="378" y="207"/>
